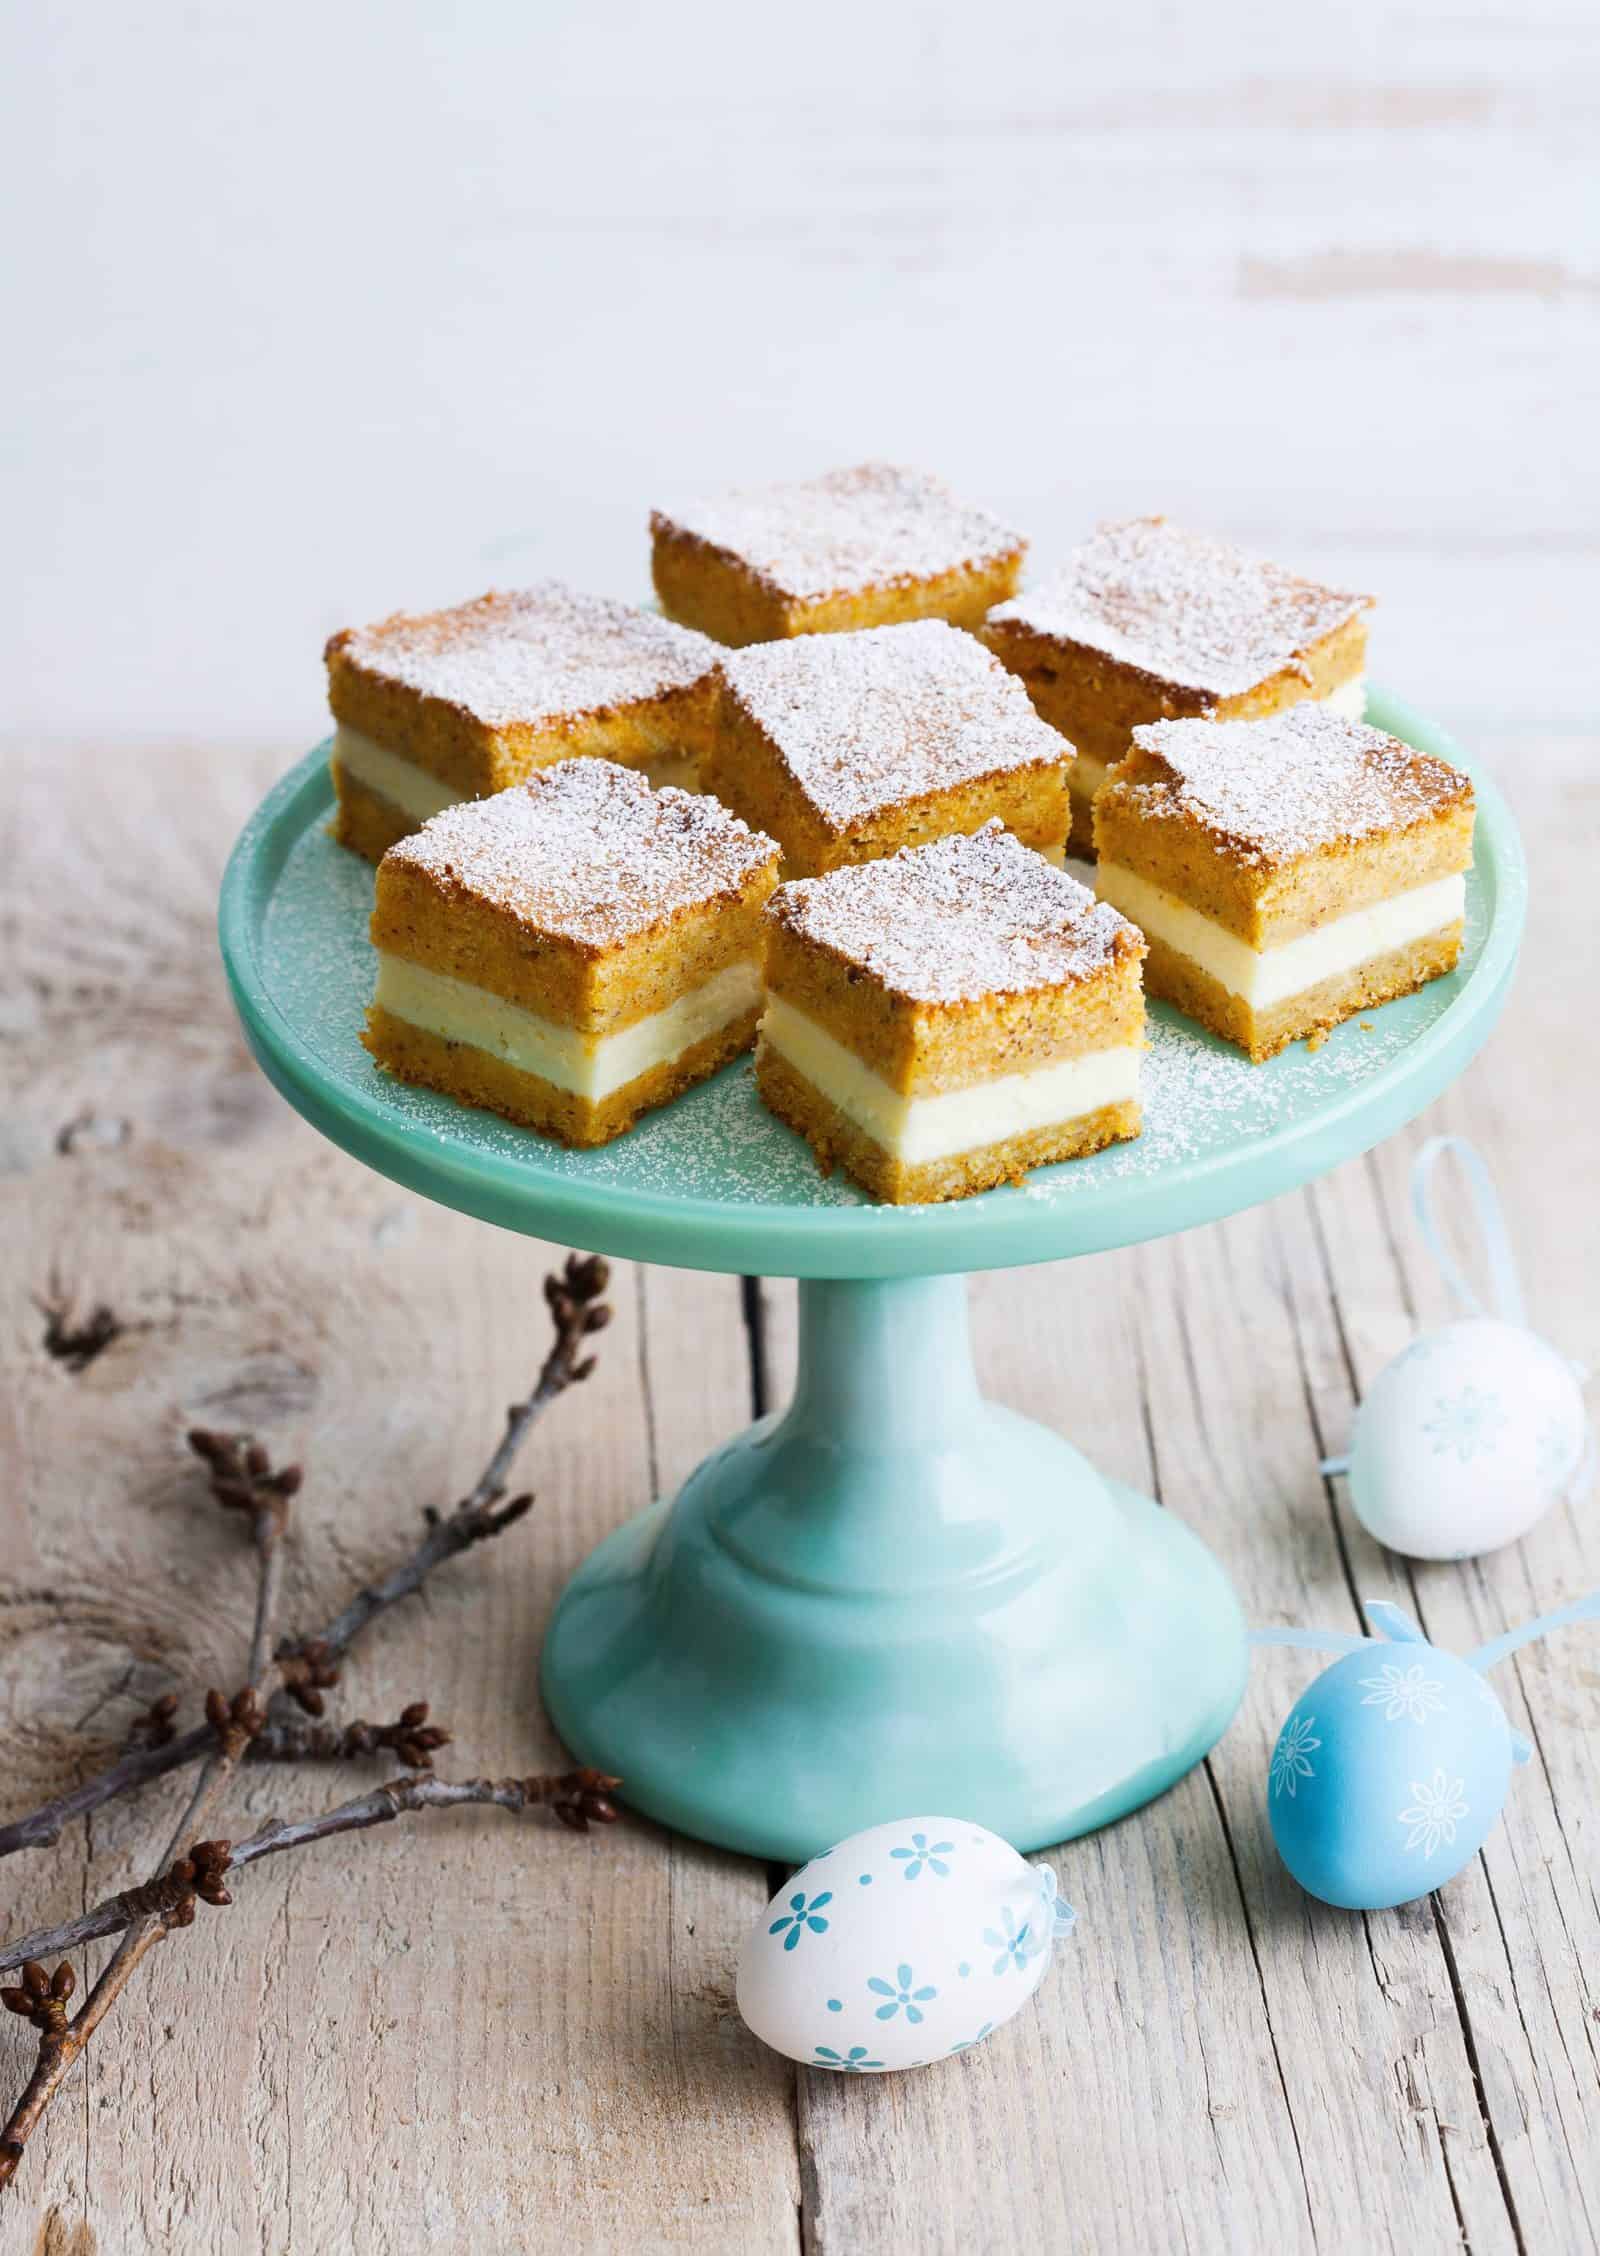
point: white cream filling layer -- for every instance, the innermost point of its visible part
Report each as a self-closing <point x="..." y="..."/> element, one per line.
<point x="916" y="1129"/>
<point x="680" y="769"/>
<point x="589" y="1067"/>
<point x="1263" y="977"/>
<point x="420" y="795"/>
<point x="402" y="782"/>
<point x="1349" y="701"/>
<point x="1085" y="776"/>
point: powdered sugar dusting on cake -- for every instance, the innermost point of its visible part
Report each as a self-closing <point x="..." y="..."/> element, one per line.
<point x="869" y="720"/>
<point x="585" y="850"/>
<point x="533" y="656"/>
<point x="965" y="917"/>
<point x="1289" y="785"/>
<point x="718" y="1144"/>
<point x="1184" y="608"/>
<point x="875" y="525"/>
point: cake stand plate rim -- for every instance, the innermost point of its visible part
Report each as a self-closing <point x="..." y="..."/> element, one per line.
<point x="1002" y="1229"/>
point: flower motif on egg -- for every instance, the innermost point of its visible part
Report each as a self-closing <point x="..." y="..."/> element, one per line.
<point x="1403" y="1692"/>
<point x="1557" y="1454"/>
<point x="919" y="1854"/>
<point x="1435" y="1810"/>
<point x="800" y="1916"/>
<point x="1016" y="1945"/>
<point x="901" y="1993"/>
<point x="1291" y="1758"/>
<point x="1467" y="1426"/>
<point x="848" y="2063"/>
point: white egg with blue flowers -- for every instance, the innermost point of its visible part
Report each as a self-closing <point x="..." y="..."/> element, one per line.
<point x="900" y="1946"/>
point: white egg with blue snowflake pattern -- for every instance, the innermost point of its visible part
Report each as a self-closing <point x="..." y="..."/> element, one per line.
<point x="1388" y="1775"/>
<point x="902" y="1945"/>
<point x="1466" y="1440"/>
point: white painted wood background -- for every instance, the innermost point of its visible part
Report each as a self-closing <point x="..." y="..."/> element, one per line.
<point x="322" y="310"/>
<point x="325" y="310"/>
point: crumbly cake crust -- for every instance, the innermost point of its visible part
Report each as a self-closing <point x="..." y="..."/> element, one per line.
<point x="365" y="821"/>
<point x="586" y="853"/>
<point x="1175" y="978"/>
<point x="836" y="1141"/>
<point x="963" y="918"/>
<point x="871" y="526"/>
<point x="870" y="721"/>
<point x="472" y="1076"/>
<point x="1268" y="793"/>
<point x="530" y="657"/>
<point x="1181" y="608"/>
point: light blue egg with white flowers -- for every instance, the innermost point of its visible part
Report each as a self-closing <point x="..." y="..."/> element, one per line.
<point x="905" y="1944"/>
<point x="1388" y="1775"/>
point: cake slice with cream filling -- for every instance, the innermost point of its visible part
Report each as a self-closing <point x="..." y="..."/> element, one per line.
<point x="1286" y="873"/>
<point x="571" y="952"/>
<point x="949" y="1017"/>
<point x="1148" y="622"/>
<point x="460" y="704"/>
<point x="846" y="747"/>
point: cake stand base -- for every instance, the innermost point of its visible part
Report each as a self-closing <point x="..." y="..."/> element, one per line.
<point x="894" y="1598"/>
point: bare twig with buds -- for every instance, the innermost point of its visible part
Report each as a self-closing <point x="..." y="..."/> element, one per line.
<point x="309" y="1667"/>
<point x="266" y="1719"/>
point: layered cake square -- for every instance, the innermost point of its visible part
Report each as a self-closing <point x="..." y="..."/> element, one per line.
<point x="847" y="747"/>
<point x="1287" y="872"/>
<point x="458" y="704"/>
<point x="948" y="1018"/>
<point x="863" y="547"/>
<point x="571" y="952"/>
<point x="1147" y="622"/>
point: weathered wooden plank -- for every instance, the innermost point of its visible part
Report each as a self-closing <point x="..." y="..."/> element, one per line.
<point x="458" y="2030"/>
<point x="1520" y="1925"/>
<point x="1393" y="2082"/>
<point x="696" y="1365"/>
<point x="1368" y="2036"/>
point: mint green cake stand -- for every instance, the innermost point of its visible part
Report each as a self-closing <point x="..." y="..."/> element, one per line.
<point x="896" y="1596"/>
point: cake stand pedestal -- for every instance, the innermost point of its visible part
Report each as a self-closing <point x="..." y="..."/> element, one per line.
<point x="895" y="1595"/>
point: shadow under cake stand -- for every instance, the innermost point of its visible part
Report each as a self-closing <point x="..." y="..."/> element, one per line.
<point x="895" y="1595"/>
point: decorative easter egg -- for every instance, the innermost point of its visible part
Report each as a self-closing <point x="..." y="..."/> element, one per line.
<point x="1388" y="1775"/>
<point x="1466" y="1440"/>
<point x="904" y="1944"/>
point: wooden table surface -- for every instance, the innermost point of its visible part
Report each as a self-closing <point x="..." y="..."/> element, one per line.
<point x="474" y="2031"/>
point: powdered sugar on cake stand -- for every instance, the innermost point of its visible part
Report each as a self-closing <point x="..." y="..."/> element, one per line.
<point x="713" y="1180"/>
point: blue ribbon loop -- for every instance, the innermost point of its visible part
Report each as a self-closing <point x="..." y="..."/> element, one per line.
<point x="1492" y="1231"/>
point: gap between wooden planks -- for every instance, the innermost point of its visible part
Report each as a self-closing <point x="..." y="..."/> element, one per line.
<point x="496" y="2035"/>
